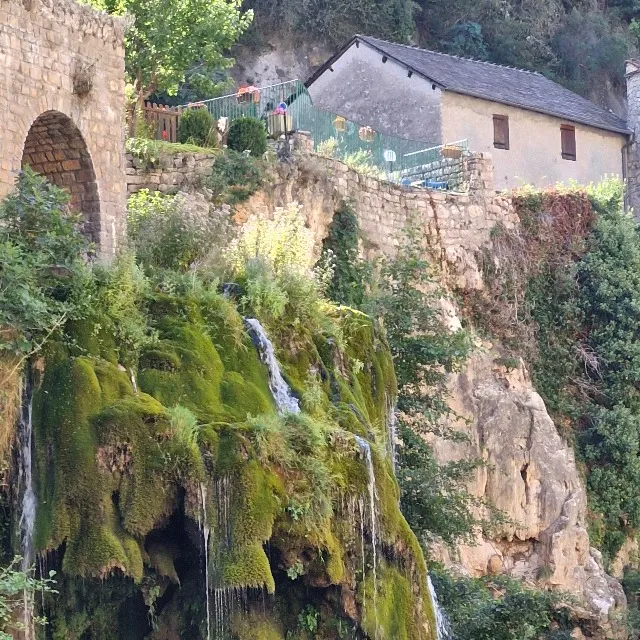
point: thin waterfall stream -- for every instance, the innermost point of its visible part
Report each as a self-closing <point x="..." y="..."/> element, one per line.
<point x="285" y="401"/>
<point x="28" y="512"/>
<point x="365" y="450"/>
<point x="206" y="531"/>
<point x="443" y="628"/>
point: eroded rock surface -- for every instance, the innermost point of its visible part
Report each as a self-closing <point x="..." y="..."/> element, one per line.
<point x="530" y="475"/>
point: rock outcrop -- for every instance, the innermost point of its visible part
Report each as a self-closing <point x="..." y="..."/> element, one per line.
<point x="530" y="474"/>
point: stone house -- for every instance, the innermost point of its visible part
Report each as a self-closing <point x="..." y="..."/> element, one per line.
<point x="537" y="131"/>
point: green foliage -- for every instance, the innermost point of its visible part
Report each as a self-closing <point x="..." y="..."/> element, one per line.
<point x="579" y="295"/>
<point x="340" y="254"/>
<point x="15" y="586"/>
<point x="166" y="233"/>
<point x="43" y="270"/>
<point x="168" y="39"/>
<point x="197" y="126"/>
<point x="121" y="295"/>
<point x="631" y="585"/>
<point x="235" y="177"/>
<point x="248" y="134"/>
<point x="407" y="296"/>
<point x="435" y="498"/>
<point x="336" y="21"/>
<point x="587" y="47"/>
<point x="501" y="609"/>
<point x="152" y="153"/>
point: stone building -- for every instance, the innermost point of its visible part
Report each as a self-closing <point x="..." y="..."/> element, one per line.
<point x="62" y="106"/>
<point x="537" y="131"/>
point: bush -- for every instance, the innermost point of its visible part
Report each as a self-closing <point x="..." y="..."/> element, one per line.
<point x="501" y="609"/>
<point x="197" y="127"/>
<point x="170" y="232"/>
<point x="43" y="271"/>
<point x="248" y="134"/>
<point x="234" y="177"/>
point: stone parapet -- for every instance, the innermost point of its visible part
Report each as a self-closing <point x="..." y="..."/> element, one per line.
<point x="181" y="172"/>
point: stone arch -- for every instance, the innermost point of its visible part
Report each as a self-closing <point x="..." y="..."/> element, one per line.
<point x="56" y="149"/>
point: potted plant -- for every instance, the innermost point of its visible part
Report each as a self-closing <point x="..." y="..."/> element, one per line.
<point x="366" y="134"/>
<point x="278" y="122"/>
<point x="248" y="94"/>
<point x="340" y="124"/>
<point x="451" y="151"/>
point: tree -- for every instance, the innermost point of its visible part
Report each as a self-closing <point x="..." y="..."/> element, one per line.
<point x="15" y="587"/>
<point x="169" y="38"/>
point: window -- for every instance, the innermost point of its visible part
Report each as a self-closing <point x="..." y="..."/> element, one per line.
<point x="568" y="137"/>
<point x="501" y="132"/>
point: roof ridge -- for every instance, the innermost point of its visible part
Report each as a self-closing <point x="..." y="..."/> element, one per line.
<point x="450" y="55"/>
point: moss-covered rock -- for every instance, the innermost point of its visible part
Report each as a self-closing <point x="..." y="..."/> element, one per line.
<point x="125" y="474"/>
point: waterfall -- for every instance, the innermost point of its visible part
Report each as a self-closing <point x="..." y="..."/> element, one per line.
<point x="365" y="450"/>
<point x="28" y="513"/>
<point x="284" y="399"/>
<point x="442" y="622"/>
<point x="206" y="531"/>
<point x="392" y="433"/>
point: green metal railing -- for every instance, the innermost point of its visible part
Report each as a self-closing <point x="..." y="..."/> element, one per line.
<point x="397" y="159"/>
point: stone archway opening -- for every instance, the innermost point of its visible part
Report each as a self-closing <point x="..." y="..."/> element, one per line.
<point x="55" y="149"/>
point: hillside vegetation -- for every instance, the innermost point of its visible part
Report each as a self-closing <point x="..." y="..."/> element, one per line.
<point x="581" y="43"/>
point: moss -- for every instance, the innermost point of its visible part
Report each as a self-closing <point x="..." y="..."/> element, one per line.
<point x="242" y="398"/>
<point x="247" y="566"/>
<point x="373" y="382"/>
<point x="335" y="565"/>
<point x="91" y="337"/>
<point x="255" y="626"/>
<point x="66" y="447"/>
<point x="255" y="505"/>
<point x="146" y="487"/>
<point x="391" y="614"/>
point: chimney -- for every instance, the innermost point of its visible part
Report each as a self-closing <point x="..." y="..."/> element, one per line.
<point x="631" y="153"/>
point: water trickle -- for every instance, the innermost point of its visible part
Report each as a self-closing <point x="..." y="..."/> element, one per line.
<point x="285" y="401"/>
<point x="443" y="629"/>
<point x="28" y="513"/>
<point x="365" y="450"/>
<point x="206" y="531"/>
<point x="225" y="599"/>
<point x="134" y="384"/>
<point x="392" y="433"/>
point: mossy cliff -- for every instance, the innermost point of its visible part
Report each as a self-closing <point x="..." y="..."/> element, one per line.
<point x="135" y="466"/>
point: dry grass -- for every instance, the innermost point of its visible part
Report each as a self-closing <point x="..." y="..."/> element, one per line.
<point x="10" y="401"/>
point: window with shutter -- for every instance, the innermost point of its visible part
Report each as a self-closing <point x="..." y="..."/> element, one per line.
<point x="568" y="138"/>
<point x="501" y="132"/>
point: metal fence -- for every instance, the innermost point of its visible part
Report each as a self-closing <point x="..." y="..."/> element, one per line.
<point x="391" y="157"/>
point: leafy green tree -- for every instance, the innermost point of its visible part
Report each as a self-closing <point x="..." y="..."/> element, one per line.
<point x="340" y="249"/>
<point x="168" y="39"/>
<point x="44" y="274"/>
<point x="15" y="586"/>
<point x="501" y="609"/>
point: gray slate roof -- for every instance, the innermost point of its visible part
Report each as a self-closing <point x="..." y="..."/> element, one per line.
<point x="516" y="87"/>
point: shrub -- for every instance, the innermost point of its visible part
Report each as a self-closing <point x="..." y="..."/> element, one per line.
<point x="173" y="232"/>
<point x="349" y="275"/>
<point x="197" y="126"/>
<point x="43" y="271"/>
<point x="234" y="177"/>
<point x="248" y="134"/>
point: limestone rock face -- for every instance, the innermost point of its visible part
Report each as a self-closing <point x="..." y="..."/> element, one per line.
<point x="531" y="476"/>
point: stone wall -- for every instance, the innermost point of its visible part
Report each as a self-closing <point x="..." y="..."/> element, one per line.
<point x="456" y="225"/>
<point x="180" y="172"/>
<point x="62" y="105"/>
